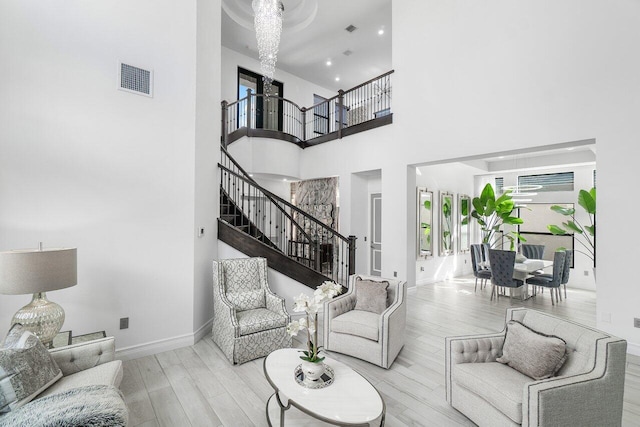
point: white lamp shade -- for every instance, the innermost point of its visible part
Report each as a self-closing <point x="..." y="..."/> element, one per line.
<point x="32" y="270"/>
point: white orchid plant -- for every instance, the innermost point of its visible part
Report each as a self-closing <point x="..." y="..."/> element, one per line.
<point x="311" y="305"/>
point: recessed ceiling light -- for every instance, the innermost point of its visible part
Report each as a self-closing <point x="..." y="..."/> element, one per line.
<point x="328" y="63"/>
<point x="337" y="79"/>
<point x="284" y="179"/>
<point x="250" y="174"/>
<point x="570" y="148"/>
<point x="380" y="32"/>
<point x="501" y="157"/>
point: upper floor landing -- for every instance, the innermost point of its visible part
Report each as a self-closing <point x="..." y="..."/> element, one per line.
<point x="364" y="107"/>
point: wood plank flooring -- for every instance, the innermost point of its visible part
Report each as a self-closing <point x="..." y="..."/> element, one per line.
<point x="196" y="386"/>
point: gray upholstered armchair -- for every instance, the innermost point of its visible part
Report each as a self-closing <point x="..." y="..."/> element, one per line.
<point x="249" y="321"/>
<point x="586" y="391"/>
<point x="376" y="338"/>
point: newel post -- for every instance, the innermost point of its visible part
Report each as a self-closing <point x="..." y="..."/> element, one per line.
<point x="352" y="255"/>
<point x="304" y="124"/>
<point x="225" y="132"/>
<point x="249" y="109"/>
<point x="340" y="112"/>
<point x="317" y="256"/>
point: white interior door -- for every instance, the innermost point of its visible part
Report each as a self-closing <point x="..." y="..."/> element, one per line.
<point x="376" y="234"/>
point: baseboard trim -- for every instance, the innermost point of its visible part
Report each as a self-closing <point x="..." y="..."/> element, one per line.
<point x="166" y="344"/>
<point x="203" y="331"/>
<point x="633" y="348"/>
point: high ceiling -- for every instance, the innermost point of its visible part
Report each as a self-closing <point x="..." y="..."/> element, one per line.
<point x="314" y="33"/>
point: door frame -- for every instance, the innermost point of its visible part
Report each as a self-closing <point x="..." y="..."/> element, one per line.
<point x="375" y="197"/>
<point x="259" y="123"/>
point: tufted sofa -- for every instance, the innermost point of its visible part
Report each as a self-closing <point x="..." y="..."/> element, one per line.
<point x="587" y="390"/>
<point x="85" y="364"/>
<point x="89" y="363"/>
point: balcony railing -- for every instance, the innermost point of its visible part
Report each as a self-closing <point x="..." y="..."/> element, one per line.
<point x="361" y="108"/>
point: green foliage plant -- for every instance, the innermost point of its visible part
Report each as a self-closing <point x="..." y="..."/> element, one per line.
<point x="587" y="233"/>
<point x="492" y="214"/>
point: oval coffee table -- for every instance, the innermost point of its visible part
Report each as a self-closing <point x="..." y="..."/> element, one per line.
<point x="350" y="400"/>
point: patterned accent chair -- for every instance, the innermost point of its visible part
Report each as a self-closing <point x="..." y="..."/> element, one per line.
<point x="249" y="321"/>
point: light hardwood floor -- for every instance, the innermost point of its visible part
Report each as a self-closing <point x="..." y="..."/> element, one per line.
<point x="197" y="386"/>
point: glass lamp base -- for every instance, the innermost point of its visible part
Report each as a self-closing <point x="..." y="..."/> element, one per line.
<point x="41" y="316"/>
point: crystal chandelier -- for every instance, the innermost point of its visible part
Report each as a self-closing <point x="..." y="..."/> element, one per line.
<point x="268" y="25"/>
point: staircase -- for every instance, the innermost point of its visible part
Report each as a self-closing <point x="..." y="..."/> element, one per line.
<point x="259" y="223"/>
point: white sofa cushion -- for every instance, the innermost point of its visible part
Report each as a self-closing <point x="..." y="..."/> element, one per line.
<point x="357" y="322"/>
<point x="498" y="384"/>
<point x="109" y="373"/>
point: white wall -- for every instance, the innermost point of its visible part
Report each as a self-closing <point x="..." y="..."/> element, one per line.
<point x="84" y="164"/>
<point x="497" y="76"/>
<point x="500" y="75"/>
<point x="207" y="187"/>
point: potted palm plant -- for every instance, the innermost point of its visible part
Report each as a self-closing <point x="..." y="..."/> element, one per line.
<point x="492" y="214"/>
<point x="587" y="233"/>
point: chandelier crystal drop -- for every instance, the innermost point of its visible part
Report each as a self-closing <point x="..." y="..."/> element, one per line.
<point x="268" y="25"/>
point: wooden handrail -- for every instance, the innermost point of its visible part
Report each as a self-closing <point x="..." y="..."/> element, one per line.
<point x="370" y="81"/>
<point x="284" y="212"/>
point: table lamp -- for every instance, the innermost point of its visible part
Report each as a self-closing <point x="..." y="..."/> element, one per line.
<point x="37" y="271"/>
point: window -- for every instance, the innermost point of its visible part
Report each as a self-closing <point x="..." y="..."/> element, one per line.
<point x="499" y="185"/>
<point x="562" y="181"/>
<point x="536" y="217"/>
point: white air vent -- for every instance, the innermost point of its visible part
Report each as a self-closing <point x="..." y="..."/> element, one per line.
<point x="136" y="80"/>
<point x="351" y="28"/>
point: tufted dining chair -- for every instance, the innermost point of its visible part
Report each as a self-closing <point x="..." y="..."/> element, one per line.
<point x="502" y="267"/>
<point x="565" y="272"/>
<point x="532" y="251"/>
<point x="554" y="281"/>
<point x="249" y="320"/>
<point x="480" y="272"/>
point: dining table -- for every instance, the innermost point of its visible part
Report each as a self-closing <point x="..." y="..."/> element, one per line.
<point x="523" y="270"/>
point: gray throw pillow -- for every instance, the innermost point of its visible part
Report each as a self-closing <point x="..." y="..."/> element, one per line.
<point x="371" y="295"/>
<point x="26" y="368"/>
<point x="534" y="354"/>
